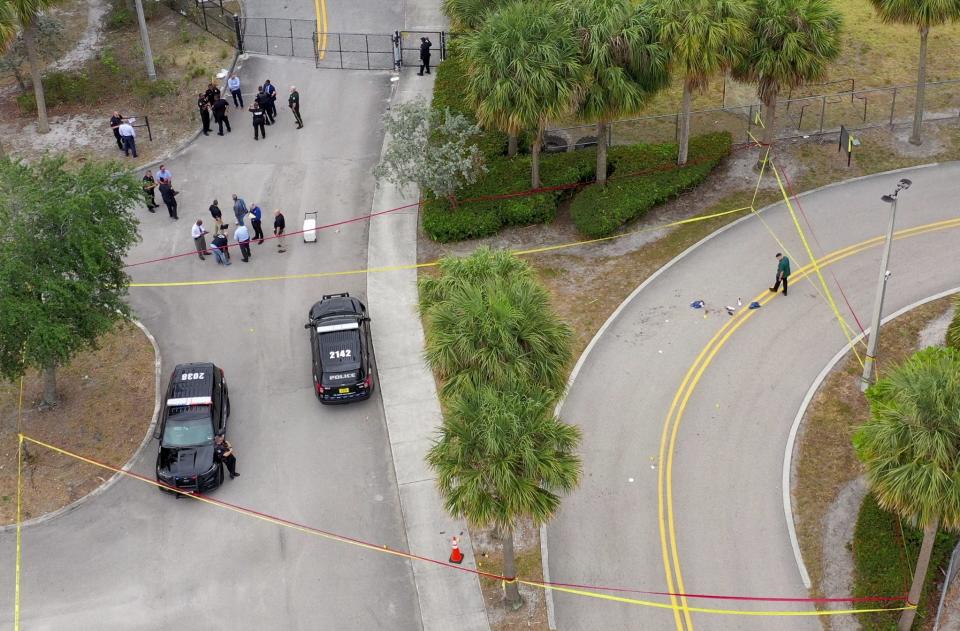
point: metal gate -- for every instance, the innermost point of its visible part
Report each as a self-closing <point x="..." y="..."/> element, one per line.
<point x="377" y="51"/>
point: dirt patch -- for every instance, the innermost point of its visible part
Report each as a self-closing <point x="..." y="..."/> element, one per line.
<point x="839" y="523"/>
<point x="533" y="613"/>
<point x="106" y="405"/>
<point x="825" y="463"/>
<point x="185" y="56"/>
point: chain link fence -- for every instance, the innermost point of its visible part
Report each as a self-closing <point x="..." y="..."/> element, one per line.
<point x="809" y="116"/>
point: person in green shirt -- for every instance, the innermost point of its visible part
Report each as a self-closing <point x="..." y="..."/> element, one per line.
<point x="783" y="272"/>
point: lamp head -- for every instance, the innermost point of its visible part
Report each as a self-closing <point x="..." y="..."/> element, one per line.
<point x="904" y="184"/>
<point x="889" y="199"/>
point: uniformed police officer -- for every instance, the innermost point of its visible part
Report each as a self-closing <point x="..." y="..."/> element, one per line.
<point x="258" y="118"/>
<point x="294" y="102"/>
<point x="204" y="106"/>
<point x="264" y="102"/>
<point x="224" y="453"/>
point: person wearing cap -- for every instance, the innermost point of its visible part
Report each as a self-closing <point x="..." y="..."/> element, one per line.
<point x="198" y="239"/>
<point x="149" y="185"/>
<point x="294" y="102"/>
<point x="128" y="136"/>
<point x="279" y="225"/>
<point x="425" y="45"/>
<point x="783" y="272"/>
<point x="223" y="450"/>
<point x="220" y="250"/>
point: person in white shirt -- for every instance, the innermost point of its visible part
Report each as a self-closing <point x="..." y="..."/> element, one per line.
<point x="242" y="236"/>
<point x="198" y="240"/>
<point x="233" y="84"/>
<point x="128" y="136"/>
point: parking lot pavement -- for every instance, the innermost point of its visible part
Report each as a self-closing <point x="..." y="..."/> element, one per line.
<point x="133" y="558"/>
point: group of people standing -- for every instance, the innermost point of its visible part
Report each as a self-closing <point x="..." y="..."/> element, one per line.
<point x="263" y="109"/>
<point x="241" y="235"/>
<point x="124" y="133"/>
<point x="164" y="183"/>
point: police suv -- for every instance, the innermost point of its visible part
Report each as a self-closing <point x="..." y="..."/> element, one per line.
<point x="340" y="345"/>
<point x="195" y="409"/>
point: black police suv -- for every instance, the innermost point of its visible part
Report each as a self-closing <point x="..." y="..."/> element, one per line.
<point x="196" y="408"/>
<point x="340" y="344"/>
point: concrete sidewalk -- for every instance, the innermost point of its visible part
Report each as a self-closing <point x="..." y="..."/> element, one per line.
<point x="448" y="599"/>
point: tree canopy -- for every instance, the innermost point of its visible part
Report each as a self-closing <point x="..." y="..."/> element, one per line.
<point x="63" y="235"/>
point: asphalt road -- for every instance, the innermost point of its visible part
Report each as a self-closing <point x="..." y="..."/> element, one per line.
<point x="133" y="558"/>
<point x="725" y="482"/>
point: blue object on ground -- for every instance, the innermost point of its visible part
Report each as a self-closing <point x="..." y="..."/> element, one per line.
<point x="697" y="304"/>
<point x="754" y="305"/>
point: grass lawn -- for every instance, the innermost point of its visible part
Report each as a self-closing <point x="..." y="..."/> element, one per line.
<point x="884" y="565"/>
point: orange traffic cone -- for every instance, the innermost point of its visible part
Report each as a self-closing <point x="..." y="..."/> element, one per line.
<point x="455" y="555"/>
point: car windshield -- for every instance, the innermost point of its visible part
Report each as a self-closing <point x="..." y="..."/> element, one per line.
<point x="187" y="432"/>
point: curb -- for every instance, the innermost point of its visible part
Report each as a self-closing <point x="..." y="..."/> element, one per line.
<point x="189" y="141"/>
<point x="157" y="361"/>
<point x="623" y="305"/>
<point x="790" y="448"/>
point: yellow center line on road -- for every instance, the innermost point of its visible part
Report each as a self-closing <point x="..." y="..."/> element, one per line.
<point x="689" y="384"/>
<point x="321" y="8"/>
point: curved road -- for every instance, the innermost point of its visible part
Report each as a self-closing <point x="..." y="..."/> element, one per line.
<point x="133" y="558"/>
<point x="682" y="484"/>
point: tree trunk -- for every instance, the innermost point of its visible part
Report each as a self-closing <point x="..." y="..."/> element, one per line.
<point x="512" y="145"/>
<point x="769" y="129"/>
<point x="915" y="138"/>
<point x="145" y="41"/>
<point x="510" y="570"/>
<point x="919" y="575"/>
<point x="36" y="73"/>
<point x="602" y="127"/>
<point x="535" y="157"/>
<point x="50" y="385"/>
<point x="685" y="124"/>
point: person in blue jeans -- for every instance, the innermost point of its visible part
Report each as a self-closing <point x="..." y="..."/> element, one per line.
<point x="219" y="247"/>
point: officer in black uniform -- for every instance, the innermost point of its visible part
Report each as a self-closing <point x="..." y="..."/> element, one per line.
<point x="204" y="106"/>
<point x="271" y="93"/>
<point x="213" y="93"/>
<point x="259" y="116"/>
<point x="220" y="114"/>
<point x="294" y="102"/>
<point x="425" y="45"/>
<point x="224" y="453"/>
<point x="264" y="102"/>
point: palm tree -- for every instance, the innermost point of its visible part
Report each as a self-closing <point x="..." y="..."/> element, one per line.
<point x="523" y="69"/>
<point x="27" y="12"/>
<point x="502" y="456"/>
<point x="923" y="14"/>
<point x="468" y="15"/>
<point x="489" y="321"/>
<point x="791" y="43"/>
<point x="624" y="62"/>
<point x="911" y="446"/>
<point x="706" y="38"/>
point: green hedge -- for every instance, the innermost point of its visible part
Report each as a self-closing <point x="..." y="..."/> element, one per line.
<point x="599" y="211"/>
<point x="881" y="570"/>
<point x="953" y="331"/>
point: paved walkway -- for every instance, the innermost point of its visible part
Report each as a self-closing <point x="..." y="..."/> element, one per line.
<point x="692" y="413"/>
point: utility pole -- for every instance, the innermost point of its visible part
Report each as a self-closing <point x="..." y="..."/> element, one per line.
<point x="865" y="380"/>
<point x="145" y="40"/>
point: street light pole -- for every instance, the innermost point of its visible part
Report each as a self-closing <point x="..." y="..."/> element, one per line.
<point x="145" y="40"/>
<point x="881" y="288"/>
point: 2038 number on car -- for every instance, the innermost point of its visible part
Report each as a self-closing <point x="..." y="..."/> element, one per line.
<point x="340" y="345"/>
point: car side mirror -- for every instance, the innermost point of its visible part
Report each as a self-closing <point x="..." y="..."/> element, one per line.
<point x="366" y="318"/>
<point x="307" y="325"/>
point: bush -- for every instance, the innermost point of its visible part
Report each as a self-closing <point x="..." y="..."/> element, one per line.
<point x="119" y="17"/>
<point x="598" y="211"/>
<point x="145" y="89"/>
<point x="953" y="331"/>
<point x="444" y="224"/>
<point x="879" y="566"/>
